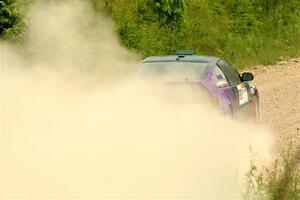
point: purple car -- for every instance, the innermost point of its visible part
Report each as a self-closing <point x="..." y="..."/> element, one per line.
<point x="230" y="91"/>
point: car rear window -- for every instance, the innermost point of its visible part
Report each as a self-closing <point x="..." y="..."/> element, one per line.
<point x="174" y="71"/>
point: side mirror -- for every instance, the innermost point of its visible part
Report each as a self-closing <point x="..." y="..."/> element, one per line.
<point x="247" y="76"/>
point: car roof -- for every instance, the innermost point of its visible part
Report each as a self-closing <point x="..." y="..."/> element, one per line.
<point x="181" y="58"/>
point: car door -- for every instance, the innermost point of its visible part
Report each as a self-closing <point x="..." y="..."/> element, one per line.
<point x="224" y="91"/>
<point x="238" y="87"/>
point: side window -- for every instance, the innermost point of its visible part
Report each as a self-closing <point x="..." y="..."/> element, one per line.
<point x="219" y="78"/>
<point x="232" y="75"/>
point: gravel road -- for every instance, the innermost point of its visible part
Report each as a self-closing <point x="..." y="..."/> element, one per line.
<point x="279" y="87"/>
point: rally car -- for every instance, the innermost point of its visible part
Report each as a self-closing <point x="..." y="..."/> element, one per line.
<point x="230" y="91"/>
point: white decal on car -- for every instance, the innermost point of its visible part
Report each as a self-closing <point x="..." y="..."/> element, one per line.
<point x="243" y="94"/>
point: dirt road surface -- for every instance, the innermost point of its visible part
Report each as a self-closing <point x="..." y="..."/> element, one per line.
<point x="279" y="87"/>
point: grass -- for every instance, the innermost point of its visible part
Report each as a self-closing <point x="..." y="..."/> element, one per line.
<point x="281" y="182"/>
<point x="245" y="32"/>
<point x="248" y="32"/>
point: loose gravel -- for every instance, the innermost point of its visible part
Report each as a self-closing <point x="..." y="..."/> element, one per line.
<point x="279" y="87"/>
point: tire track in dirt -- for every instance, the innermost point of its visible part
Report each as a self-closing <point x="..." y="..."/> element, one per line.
<point x="279" y="87"/>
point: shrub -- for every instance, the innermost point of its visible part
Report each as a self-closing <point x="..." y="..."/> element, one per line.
<point x="11" y="22"/>
<point x="246" y="32"/>
<point x="7" y="18"/>
<point x="170" y="11"/>
<point x="282" y="182"/>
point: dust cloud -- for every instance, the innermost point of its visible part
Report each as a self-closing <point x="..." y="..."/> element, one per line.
<point x="74" y="126"/>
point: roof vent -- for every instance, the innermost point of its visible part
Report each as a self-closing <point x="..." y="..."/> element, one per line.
<point x="185" y="53"/>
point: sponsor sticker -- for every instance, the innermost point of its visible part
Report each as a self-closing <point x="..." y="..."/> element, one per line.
<point x="243" y="94"/>
<point x="220" y="77"/>
<point x="221" y="83"/>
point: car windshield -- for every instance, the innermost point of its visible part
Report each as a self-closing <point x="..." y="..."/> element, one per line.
<point x="174" y="71"/>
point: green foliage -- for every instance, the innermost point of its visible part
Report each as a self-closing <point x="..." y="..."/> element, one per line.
<point x="246" y="32"/>
<point x="281" y="182"/>
<point x="7" y="18"/>
<point x="130" y="34"/>
<point x="170" y="11"/>
<point x="11" y="23"/>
